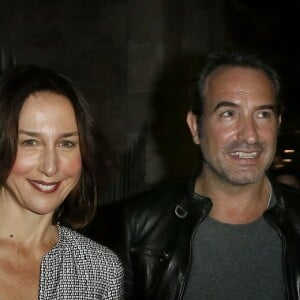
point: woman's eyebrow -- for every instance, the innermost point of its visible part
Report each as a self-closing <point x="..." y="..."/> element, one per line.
<point x="36" y="134"/>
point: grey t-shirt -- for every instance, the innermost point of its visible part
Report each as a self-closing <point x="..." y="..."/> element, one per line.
<point x="236" y="262"/>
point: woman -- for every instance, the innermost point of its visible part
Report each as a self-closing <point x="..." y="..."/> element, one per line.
<point x="47" y="190"/>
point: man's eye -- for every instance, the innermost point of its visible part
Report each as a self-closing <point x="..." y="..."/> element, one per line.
<point x="67" y="144"/>
<point x="29" y="143"/>
<point x="228" y="113"/>
<point x="264" y="114"/>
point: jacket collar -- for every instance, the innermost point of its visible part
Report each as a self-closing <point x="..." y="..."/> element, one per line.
<point x="278" y="211"/>
<point x="192" y="202"/>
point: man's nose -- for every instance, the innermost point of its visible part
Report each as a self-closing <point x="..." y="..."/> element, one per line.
<point x="248" y="131"/>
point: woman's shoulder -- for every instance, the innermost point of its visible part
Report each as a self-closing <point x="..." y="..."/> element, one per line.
<point x="86" y="247"/>
<point x="90" y="266"/>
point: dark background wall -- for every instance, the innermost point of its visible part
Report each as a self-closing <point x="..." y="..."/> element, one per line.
<point x="135" y="60"/>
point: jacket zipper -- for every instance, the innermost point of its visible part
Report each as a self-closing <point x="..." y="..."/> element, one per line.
<point x="276" y="229"/>
<point x="186" y="276"/>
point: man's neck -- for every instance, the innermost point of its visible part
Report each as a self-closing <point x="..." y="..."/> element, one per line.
<point x="235" y="204"/>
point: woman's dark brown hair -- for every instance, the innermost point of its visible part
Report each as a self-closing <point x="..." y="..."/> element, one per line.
<point x="16" y="85"/>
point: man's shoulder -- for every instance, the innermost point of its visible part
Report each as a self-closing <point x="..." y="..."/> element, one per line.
<point x="291" y="197"/>
<point x="153" y="201"/>
<point x="160" y="194"/>
<point x="288" y="203"/>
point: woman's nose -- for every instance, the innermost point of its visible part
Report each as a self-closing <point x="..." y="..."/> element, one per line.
<point x="48" y="162"/>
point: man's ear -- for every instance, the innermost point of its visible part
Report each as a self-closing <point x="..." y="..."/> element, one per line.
<point x="279" y="121"/>
<point x="192" y="121"/>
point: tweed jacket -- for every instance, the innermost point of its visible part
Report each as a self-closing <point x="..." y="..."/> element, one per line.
<point x="79" y="268"/>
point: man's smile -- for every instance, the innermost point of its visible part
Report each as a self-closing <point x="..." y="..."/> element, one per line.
<point x="242" y="154"/>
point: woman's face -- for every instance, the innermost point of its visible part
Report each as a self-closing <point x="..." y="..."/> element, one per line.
<point x="48" y="163"/>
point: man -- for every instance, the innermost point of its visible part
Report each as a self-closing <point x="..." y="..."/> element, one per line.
<point x="229" y="232"/>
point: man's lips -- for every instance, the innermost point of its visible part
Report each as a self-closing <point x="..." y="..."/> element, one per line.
<point x="244" y="154"/>
<point x="45" y="187"/>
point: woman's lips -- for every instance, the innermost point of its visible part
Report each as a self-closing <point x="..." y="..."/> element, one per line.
<point x="45" y="187"/>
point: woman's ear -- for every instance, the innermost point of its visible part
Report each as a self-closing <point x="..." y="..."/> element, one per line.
<point x="192" y="121"/>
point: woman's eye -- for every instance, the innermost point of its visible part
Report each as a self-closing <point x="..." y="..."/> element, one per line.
<point x="29" y="143"/>
<point x="67" y="144"/>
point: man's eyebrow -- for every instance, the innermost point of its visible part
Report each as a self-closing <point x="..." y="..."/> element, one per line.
<point x="37" y="134"/>
<point x="268" y="106"/>
<point x="232" y="104"/>
<point x="225" y="104"/>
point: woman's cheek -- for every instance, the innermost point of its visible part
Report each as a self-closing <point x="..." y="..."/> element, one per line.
<point x="72" y="166"/>
<point x="24" y="163"/>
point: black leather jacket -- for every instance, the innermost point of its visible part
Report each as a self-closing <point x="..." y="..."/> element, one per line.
<point x="159" y="230"/>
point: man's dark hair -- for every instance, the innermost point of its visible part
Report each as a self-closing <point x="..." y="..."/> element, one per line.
<point x="231" y="59"/>
<point x="16" y="85"/>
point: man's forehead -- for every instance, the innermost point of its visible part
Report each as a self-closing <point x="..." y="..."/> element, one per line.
<point x="228" y="78"/>
<point x="229" y="71"/>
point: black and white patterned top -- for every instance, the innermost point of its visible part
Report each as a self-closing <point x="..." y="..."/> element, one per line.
<point x="79" y="268"/>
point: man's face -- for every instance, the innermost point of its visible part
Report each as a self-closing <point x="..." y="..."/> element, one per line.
<point x="238" y="129"/>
